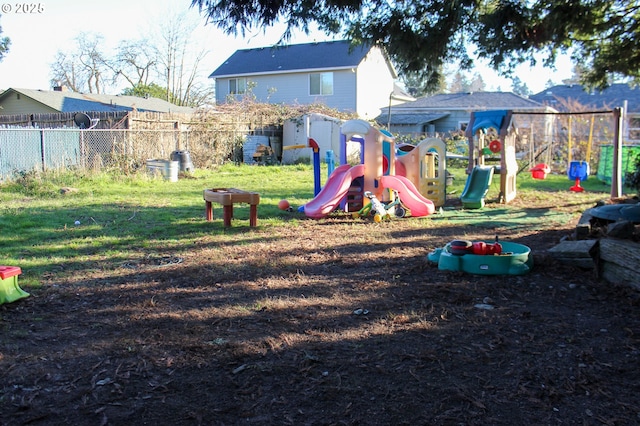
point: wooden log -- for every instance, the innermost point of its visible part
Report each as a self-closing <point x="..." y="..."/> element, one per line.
<point x="621" y="252"/>
<point x="575" y="249"/>
<point x="617" y="274"/>
<point x="579" y="262"/>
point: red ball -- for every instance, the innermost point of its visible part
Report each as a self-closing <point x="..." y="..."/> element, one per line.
<point x="283" y="205"/>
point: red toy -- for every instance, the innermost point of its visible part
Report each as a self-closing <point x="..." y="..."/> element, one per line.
<point x="284" y="205"/>
<point x="462" y="247"/>
<point x="484" y="248"/>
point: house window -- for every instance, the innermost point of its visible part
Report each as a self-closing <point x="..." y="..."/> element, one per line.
<point x="321" y="83"/>
<point x="237" y="86"/>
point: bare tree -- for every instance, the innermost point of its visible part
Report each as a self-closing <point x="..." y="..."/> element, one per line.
<point x="135" y="62"/>
<point x="63" y="72"/>
<point x="86" y="69"/>
<point x="178" y="64"/>
<point x="163" y="61"/>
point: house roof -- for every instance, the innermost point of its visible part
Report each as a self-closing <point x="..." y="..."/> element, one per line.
<point x="296" y="57"/>
<point x="472" y="101"/>
<point x="67" y="101"/>
<point x="408" y="119"/>
<point x="607" y="99"/>
<point x="400" y="94"/>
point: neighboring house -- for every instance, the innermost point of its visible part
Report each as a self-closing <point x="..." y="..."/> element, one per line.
<point x="347" y="78"/>
<point x="29" y="101"/>
<point x="446" y="113"/>
<point x="567" y="97"/>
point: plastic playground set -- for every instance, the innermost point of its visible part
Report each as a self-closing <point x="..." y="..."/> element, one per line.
<point x="412" y="178"/>
<point x="384" y="175"/>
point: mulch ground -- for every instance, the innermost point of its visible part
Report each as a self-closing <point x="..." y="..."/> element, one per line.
<point x="330" y="322"/>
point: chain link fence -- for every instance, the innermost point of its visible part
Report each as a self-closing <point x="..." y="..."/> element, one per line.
<point x="126" y="151"/>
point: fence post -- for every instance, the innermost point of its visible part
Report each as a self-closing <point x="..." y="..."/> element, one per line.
<point x="42" y="156"/>
<point x="616" y="171"/>
<point x="83" y="150"/>
<point x="176" y="128"/>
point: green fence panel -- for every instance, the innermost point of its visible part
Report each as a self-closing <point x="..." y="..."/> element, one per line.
<point x="605" y="164"/>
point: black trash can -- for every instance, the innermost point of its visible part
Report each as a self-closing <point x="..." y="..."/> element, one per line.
<point x="184" y="158"/>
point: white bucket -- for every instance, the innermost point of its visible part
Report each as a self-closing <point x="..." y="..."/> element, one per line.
<point x="168" y="169"/>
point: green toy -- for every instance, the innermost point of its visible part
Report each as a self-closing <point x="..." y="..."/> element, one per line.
<point x="9" y="289"/>
<point x="379" y="210"/>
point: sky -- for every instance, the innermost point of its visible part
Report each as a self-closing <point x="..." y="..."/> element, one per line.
<point x="37" y="35"/>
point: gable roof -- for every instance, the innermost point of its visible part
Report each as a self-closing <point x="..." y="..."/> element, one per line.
<point x="295" y="57"/>
<point x="400" y="94"/>
<point x="609" y="98"/>
<point x="472" y="101"/>
<point x="67" y="101"/>
<point x="409" y="119"/>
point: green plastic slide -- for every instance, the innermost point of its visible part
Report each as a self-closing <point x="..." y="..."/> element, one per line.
<point x="476" y="187"/>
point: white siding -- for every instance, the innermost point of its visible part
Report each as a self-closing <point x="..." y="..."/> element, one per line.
<point x="326" y="131"/>
<point x="375" y="84"/>
<point x="293" y="88"/>
<point x="363" y="90"/>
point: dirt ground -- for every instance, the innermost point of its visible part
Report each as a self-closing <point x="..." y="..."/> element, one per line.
<point x="330" y="322"/>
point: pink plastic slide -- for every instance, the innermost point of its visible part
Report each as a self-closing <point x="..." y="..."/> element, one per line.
<point x="409" y="195"/>
<point x="333" y="191"/>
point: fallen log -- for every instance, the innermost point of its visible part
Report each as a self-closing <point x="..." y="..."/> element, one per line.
<point x="620" y="260"/>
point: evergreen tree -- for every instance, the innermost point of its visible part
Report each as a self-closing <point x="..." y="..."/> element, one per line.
<point x="5" y="42"/>
<point x="152" y="90"/>
<point x="416" y="87"/>
<point x="578" y="72"/>
<point x="423" y="35"/>
<point x="477" y="84"/>
<point x="459" y="84"/>
<point x="519" y="87"/>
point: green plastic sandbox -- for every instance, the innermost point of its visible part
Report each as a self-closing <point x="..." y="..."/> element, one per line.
<point x="515" y="259"/>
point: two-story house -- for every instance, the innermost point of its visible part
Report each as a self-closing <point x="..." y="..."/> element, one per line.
<point x="348" y="78"/>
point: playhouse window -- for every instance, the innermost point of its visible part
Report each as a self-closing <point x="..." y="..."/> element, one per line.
<point x="321" y="83"/>
<point x="237" y="86"/>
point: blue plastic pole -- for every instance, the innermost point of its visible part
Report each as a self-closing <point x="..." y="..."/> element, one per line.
<point x="316" y="170"/>
<point x="331" y="164"/>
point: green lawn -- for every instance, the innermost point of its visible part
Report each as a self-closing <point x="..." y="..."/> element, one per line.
<point x="123" y="217"/>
